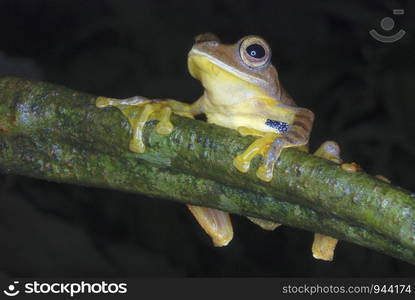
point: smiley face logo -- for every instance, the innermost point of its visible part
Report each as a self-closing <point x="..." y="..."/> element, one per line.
<point x="12" y="290"/>
<point x="387" y="24"/>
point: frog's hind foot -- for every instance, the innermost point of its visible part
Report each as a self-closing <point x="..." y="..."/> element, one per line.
<point x="264" y="224"/>
<point x="216" y="223"/>
<point x="323" y="247"/>
<point x="329" y="150"/>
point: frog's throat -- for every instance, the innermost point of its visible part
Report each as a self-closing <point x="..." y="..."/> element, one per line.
<point x="225" y="67"/>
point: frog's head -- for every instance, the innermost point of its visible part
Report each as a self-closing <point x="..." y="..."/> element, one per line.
<point x="245" y="64"/>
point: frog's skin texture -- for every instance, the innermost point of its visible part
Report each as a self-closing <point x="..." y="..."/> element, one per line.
<point x="242" y="92"/>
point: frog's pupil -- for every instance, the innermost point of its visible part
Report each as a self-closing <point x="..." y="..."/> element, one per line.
<point x="256" y="51"/>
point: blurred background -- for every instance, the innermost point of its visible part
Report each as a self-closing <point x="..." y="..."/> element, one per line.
<point x="361" y="90"/>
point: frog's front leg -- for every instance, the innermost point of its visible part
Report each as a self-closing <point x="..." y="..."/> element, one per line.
<point x="271" y="144"/>
<point x="138" y="110"/>
<point x="260" y="146"/>
<point x="297" y="135"/>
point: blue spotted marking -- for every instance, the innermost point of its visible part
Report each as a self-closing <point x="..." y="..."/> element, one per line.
<point x="282" y="127"/>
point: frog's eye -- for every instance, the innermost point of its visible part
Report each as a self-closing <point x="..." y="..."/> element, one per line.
<point x="254" y="52"/>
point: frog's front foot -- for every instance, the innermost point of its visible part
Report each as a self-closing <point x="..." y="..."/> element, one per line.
<point x="269" y="145"/>
<point x="139" y="110"/>
<point x="261" y="146"/>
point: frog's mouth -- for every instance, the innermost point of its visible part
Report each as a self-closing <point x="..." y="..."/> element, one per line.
<point x="200" y="62"/>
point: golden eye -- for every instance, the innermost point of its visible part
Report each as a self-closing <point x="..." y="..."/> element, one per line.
<point x="254" y="52"/>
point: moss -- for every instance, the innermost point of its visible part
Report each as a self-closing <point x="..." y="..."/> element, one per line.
<point x="58" y="134"/>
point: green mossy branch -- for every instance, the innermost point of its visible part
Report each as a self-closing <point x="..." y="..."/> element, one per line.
<point x="58" y="134"/>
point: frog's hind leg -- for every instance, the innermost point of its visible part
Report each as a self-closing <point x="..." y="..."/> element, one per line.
<point x="216" y="223"/>
<point x="323" y="245"/>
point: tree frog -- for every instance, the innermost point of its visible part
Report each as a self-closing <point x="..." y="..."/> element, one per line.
<point x="242" y="92"/>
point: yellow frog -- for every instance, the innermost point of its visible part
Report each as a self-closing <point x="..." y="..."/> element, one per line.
<point x="242" y="92"/>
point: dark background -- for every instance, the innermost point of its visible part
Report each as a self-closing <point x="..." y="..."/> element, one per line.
<point x="361" y="90"/>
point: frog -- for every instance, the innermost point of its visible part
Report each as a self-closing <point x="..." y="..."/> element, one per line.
<point x="242" y="92"/>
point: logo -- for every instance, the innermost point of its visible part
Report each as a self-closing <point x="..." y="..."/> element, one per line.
<point x="387" y="24"/>
<point x="11" y="290"/>
<point x="68" y="288"/>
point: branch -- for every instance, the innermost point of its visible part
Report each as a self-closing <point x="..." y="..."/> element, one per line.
<point x="58" y="134"/>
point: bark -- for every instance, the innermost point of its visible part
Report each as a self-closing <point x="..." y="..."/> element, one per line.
<point x="58" y="134"/>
